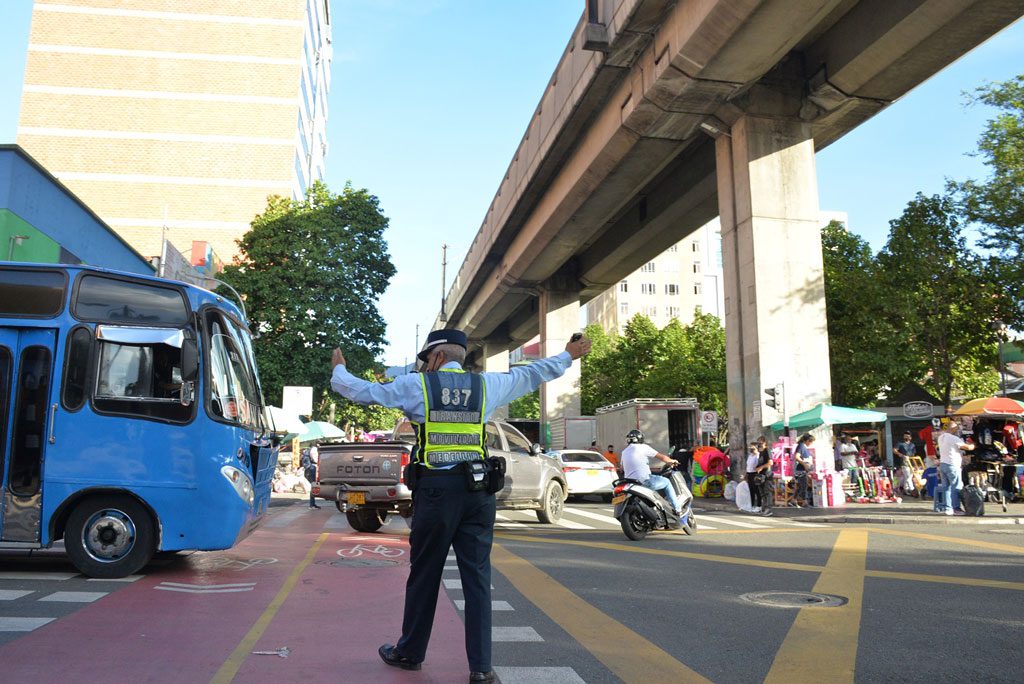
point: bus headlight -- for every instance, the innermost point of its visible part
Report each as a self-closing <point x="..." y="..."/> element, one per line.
<point x="240" y="481"/>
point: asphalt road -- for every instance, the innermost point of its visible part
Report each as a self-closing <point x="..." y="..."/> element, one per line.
<point x="578" y="602"/>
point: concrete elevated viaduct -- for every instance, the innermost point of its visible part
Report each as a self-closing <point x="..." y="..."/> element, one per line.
<point x="663" y="114"/>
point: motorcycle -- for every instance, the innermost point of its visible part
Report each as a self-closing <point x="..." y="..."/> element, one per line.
<point x="641" y="510"/>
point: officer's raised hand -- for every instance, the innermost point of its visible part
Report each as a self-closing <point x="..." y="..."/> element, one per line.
<point x="578" y="347"/>
<point x="337" y="358"/>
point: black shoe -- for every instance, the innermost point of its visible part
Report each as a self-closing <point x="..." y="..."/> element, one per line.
<point x="390" y="655"/>
<point x="313" y="506"/>
<point x="481" y="676"/>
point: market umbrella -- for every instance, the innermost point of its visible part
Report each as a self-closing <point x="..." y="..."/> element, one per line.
<point x="827" y="414"/>
<point x="316" y="430"/>
<point x="991" y="406"/>
<point x="282" y="421"/>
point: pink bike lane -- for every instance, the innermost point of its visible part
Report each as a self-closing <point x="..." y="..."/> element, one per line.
<point x="200" y="618"/>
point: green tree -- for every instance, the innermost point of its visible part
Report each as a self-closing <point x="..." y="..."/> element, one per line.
<point x="867" y="345"/>
<point x="526" y="407"/>
<point x="997" y="203"/>
<point x="939" y="292"/>
<point x="311" y="272"/>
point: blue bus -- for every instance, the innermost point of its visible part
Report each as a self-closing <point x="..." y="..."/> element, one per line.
<point x="131" y="417"/>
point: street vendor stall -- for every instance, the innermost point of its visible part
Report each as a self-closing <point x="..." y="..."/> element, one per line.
<point x="994" y="426"/>
<point x="827" y="485"/>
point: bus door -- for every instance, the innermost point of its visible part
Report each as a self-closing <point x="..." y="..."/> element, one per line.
<point x="26" y="426"/>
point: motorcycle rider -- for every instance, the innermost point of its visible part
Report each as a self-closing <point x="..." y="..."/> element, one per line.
<point x="635" y="462"/>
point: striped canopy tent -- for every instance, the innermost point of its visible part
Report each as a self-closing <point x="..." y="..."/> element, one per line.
<point x="827" y="414"/>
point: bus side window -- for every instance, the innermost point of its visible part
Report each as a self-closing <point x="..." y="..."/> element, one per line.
<point x="76" y="365"/>
<point x="142" y="380"/>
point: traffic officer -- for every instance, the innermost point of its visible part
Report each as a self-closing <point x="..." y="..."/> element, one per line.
<point x="449" y="408"/>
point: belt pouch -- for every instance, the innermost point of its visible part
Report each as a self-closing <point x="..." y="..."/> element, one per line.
<point x="475" y="473"/>
<point x="495" y="478"/>
<point x="412" y="473"/>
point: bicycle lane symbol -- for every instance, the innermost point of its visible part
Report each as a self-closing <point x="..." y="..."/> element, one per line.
<point x="370" y="550"/>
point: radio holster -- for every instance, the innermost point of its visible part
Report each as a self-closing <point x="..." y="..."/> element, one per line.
<point x="496" y="476"/>
<point x="475" y="473"/>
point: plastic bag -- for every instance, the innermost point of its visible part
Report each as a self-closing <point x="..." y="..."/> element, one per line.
<point x="743" y="497"/>
<point x="730" y="491"/>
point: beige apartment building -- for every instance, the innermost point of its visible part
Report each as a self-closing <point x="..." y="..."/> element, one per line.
<point x="684" y="279"/>
<point x="178" y="118"/>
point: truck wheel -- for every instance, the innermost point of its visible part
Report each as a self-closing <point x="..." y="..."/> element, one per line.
<point x="109" y="537"/>
<point x="365" y="519"/>
<point x="552" y="504"/>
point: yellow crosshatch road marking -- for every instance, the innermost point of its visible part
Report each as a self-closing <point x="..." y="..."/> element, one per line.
<point x="830" y="634"/>
<point x="951" y="540"/>
<point x="628" y="655"/>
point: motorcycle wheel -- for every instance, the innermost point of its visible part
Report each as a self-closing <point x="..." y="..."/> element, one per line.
<point x="634" y="525"/>
<point x="690" y="527"/>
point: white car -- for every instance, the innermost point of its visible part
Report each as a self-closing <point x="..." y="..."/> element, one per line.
<point x="586" y="472"/>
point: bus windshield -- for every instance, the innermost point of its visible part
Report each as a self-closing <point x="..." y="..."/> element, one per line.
<point x="234" y="395"/>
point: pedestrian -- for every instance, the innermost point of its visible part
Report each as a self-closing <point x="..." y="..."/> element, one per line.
<point x="847" y="452"/>
<point x="684" y="454"/>
<point x="452" y="480"/>
<point x="310" y="460"/>
<point x="764" y="475"/>
<point x="753" y="461"/>
<point x="803" y="468"/>
<point x="900" y="453"/>
<point x="636" y="464"/>
<point x="951" y="448"/>
<point x="613" y="458"/>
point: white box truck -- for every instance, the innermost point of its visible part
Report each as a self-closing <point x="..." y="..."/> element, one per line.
<point x="576" y="432"/>
<point x="666" y="423"/>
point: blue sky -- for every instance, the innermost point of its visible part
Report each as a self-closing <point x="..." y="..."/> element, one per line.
<point x="429" y="100"/>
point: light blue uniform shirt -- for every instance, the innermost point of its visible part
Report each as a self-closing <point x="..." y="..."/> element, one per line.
<point x="406" y="392"/>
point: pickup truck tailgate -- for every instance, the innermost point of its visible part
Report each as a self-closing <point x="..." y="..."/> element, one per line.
<point x="369" y="464"/>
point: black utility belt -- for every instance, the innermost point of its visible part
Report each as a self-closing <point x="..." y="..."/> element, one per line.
<point x="480" y="475"/>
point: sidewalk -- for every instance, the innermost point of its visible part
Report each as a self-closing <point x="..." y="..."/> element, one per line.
<point x="910" y="512"/>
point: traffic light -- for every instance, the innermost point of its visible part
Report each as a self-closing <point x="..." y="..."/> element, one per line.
<point x="777" y="398"/>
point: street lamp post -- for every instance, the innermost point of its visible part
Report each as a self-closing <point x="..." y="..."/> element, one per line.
<point x="999" y="328"/>
<point x="14" y="241"/>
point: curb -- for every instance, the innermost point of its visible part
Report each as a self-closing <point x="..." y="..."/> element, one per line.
<point x="878" y="518"/>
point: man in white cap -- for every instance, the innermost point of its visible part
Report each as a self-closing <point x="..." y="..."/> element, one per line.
<point x="453" y="481"/>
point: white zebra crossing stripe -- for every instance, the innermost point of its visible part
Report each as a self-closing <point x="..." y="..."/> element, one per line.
<point x="515" y="634"/>
<point x="20" y="624"/>
<point x="737" y="523"/>
<point x="593" y="516"/>
<point x="570" y="525"/>
<point x="455" y="584"/>
<point x="797" y="523"/>
<point x="538" y="675"/>
<point x="507" y="522"/>
<point x="460" y="604"/>
<point x="56" y="576"/>
<point x="13" y="594"/>
<point x="129" y="578"/>
<point x="75" y="596"/>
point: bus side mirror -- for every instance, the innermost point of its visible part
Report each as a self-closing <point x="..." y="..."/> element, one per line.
<point x="189" y="360"/>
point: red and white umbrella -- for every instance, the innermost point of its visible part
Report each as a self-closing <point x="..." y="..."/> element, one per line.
<point x="992" y="406"/>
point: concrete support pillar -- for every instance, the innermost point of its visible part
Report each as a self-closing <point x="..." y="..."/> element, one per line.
<point x="776" y="330"/>
<point x="559" y="319"/>
<point x="495" y="358"/>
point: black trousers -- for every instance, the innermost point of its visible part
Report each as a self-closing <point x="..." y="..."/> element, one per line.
<point x="445" y="515"/>
<point x="755" y="490"/>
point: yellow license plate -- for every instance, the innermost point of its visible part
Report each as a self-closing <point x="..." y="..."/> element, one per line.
<point x="356" y="497"/>
<point x="593" y="472"/>
<point x="619" y="499"/>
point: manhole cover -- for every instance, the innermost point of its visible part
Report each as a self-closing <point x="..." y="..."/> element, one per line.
<point x="794" y="599"/>
<point x="362" y="563"/>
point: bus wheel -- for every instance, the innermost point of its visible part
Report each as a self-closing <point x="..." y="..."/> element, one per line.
<point x="365" y="519"/>
<point x="109" y="537"/>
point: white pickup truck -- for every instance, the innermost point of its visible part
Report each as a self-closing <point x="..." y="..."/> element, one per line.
<point x="366" y="481"/>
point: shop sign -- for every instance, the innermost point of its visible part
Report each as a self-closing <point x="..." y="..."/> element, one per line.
<point x="918" y="409"/>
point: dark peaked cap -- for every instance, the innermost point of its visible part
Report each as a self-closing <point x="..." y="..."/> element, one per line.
<point x="439" y="337"/>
